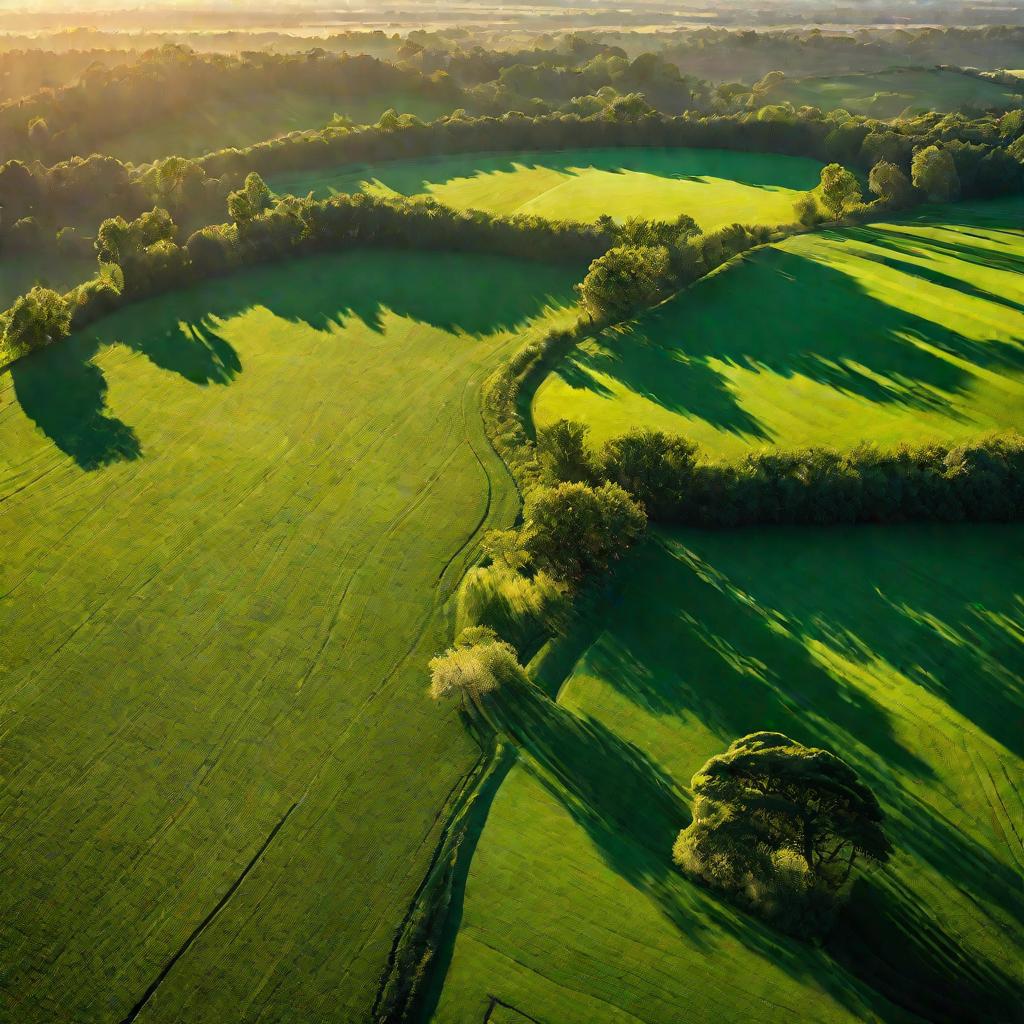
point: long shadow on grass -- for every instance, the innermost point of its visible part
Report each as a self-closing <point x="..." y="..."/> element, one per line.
<point x="632" y="810"/>
<point x="413" y="177"/>
<point x="781" y="635"/>
<point x="64" y="392"/>
<point x="775" y="635"/>
<point x="792" y="315"/>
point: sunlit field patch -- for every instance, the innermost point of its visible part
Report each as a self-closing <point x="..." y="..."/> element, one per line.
<point x="715" y="187"/>
<point x="888" y="332"/>
<point x="233" y="516"/>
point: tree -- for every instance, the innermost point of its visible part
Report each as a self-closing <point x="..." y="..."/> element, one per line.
<point x="37" y="318"/>
<point x="934" y="173"/>
<point x="837" y="189"/>
<point x="806" y="210"/>
<point x="890" y="184"/>
<point x="563" y="451"/>
<point x="575" y="531"/>
<point x="478" y="664"/>
<point x="252" y="199"/>
<point x="624" y="279"/>
<point x="769" y="807"/>
<point x="653" y="467"/>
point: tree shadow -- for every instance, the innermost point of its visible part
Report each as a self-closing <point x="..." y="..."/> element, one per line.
<point x="795" y="316"/>
<point x="612" y="788"/>
<point x="728" y="643"/>
<point x="423" y="175"/>
<point x="887" y="937"/>
<point x="64" y="391"/>
<point x="632" y="810"/>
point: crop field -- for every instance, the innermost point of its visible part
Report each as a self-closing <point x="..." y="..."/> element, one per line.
<point x="715" y="187"/>
<point x="233" y="518"/>
<point x="888" y="94"/>
<point x="886" y="332"/>
<point x="900" y="646"/>
<point x="222" y="124"/>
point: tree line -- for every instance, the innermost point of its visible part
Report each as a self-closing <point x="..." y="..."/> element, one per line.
<point x="108" y="101"/>
<point x="979" y="480"/>
<point x="144" y="255"/>
<point x="987" y="151"/>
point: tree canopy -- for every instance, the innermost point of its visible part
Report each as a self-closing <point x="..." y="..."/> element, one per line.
<point x="771" y="810"/>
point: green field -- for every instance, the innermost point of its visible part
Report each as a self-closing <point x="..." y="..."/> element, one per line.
<point x="888" y="94"/>
<point x="888" y="332"/>
<point x="901" y="648"/>
<point x="224" y="123"/>
<point x="233" y="517"/>
<point x="19" y="273"/>
<point x="715" y="187"/>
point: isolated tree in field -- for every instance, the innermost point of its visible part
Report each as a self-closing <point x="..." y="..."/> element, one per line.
<point x="574" y="531"/>
<point x="837" y="190"/>
<point x="934" y="173"/>
<point x="770" y="808"/>
<point x="39" y="317"/>
<point x="890" y="184"/>
<point x="252" y="199"/>
<point x="564" y="453"/>
<point x="624" y="279"/>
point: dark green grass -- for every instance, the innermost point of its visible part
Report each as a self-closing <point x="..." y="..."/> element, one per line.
<point x="900" y="648"/>
<point x="233" y="517"/>
<point x="899" y="331"/>
<point x="20" y="273"/>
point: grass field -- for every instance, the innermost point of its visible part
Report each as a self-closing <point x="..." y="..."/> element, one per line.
<point x="889" y="93"/>
<point x="715" y="187"/>
<point x="889" y="332"/>
<point x="221" y="123"/>
<point x="19" y="273"/>
<point x="898" y="647"/>
<point x="232" y="520"/>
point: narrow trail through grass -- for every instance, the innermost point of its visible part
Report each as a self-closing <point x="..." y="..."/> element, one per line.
<point x="233" y="519"/>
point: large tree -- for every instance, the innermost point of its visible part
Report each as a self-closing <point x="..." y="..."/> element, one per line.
<point x="934" y="173"/>
<point x="838" y="189"/>
<point x="769" y="801"/>
<point x="890" y="184"/>
<point x="574" y="531"/>
<point x="624" y="279"/>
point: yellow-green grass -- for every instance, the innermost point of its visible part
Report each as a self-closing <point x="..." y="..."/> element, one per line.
<point x="232" y="520"/>
<point x="220" y="123"/>
<point x="898" y="648"/>
<point x="890" y="332"/>
<point x="715" y="187"/>
<point x="891" y="93"/>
